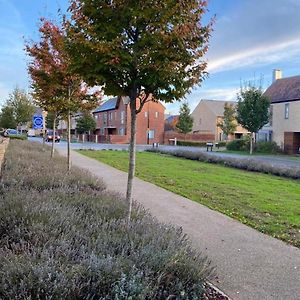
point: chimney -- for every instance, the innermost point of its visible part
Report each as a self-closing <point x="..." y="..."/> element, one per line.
<point x="277" y="74"/>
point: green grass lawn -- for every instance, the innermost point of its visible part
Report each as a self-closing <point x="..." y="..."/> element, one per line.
<point x="268" y="203"/>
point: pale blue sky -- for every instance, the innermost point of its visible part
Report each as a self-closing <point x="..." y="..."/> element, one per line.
<point x="250" y="39"/>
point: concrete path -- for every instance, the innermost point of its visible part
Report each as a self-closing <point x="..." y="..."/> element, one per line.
<point x="250" y="265"/>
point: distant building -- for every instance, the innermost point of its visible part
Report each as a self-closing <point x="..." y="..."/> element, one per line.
<point x="171" y="122"/>
<point x="284" y="94"/>
<point x="113" y="121"/>
<point x="207" y="115"/>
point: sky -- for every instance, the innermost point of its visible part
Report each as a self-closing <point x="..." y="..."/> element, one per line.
<point x="249" y="40"/>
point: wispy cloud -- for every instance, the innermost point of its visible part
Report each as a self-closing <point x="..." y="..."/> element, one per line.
<point x="255" y="33"/>
<point x="256" y="56"/>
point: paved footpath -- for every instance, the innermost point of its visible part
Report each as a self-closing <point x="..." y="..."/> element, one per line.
<point x="250" y="265"/>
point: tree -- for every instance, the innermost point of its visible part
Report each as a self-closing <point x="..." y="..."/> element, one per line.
<point x="85" y="123"/>
<point x="146" y="50"/>
<point x="22" y="106"/>
<point x="50" y="119"/>
<point x="252" y="110"/>
<point x="7" y="119"/>
<point x="185" y="122"/>
<point x="57" y="89"/>
<point x="228" y="124"/>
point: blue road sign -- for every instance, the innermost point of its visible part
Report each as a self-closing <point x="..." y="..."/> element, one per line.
<point x="38" y="122"/>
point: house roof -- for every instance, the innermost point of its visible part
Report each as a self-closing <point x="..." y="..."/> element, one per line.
<point x="283" y="90"/>
<point x="107" y="105"/>
<point x="216" y="106"/>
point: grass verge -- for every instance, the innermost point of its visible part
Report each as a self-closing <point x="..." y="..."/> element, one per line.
<point x="64" y="236"/>
<point x="271" y="204"/>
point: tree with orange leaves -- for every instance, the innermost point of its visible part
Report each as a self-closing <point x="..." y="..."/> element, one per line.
<point x="55" y="87"/>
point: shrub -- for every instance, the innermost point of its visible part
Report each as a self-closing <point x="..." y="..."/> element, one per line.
<point x="189" y="143"/>
<point x="63" y="236"/>
<point x="238" y="145"/>
<point x="18" y="137"/>
<point x="267" y="147"/>
<point x="248" y="164"/>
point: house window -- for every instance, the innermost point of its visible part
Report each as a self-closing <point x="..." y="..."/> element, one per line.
<point x="96" y="117"/>
<point x="110" y="116"/>
<point x="104" y="118"/>
<point x="286" y="110"/>
<point x="122" y="117"/>
<point x="156" y="114"/>
<point x="146" y="114"/>
<point x="151" y="134"/>
<point x="121" y="131"/>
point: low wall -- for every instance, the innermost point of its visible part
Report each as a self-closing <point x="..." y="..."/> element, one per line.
<point x="191" y="137"/>
<point x="3" y="146"/>
<point x="91" y="138"/>
<point x="118" y="139"/>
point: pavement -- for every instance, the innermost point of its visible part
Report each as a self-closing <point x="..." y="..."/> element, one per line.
<point x="249" y="264"/>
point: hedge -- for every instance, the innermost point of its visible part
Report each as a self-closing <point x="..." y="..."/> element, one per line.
<point x="248" y="164"/>
<point x="64" y="236"/>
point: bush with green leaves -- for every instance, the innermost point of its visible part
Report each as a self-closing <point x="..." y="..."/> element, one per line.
<point x="248" y="164"/>
<point x="238" y="145"/>
<point x="64" y="236"/>
<point x="267" y="147"/>
<point x="18" y="137"/>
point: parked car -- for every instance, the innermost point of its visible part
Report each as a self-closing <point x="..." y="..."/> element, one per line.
<point x="9" y="132"/>
<point x="31" y="132"/>
<point x="49" y="136"/>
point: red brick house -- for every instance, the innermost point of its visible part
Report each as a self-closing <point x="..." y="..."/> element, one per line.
<point x="113" y="121"/>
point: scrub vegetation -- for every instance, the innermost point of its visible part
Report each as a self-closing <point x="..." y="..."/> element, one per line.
<point x="64" y="236"/>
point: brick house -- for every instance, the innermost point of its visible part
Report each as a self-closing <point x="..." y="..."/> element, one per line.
<point x="284" y="94"/>
<point x="113" y="121"/>
<point x="207" y="115"/>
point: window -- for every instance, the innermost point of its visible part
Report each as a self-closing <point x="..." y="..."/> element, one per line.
<point x="122" y="117"/>
<point x="110" y="116"/>
<point x="151" y="134"/>
<point x="156" y="114"/>
<point x="105" y="118"/>
<point x="286" y="111"/>
<point x="146" y="114"/>
<point x="96" y="117"/>
<point x="121" y="131"/>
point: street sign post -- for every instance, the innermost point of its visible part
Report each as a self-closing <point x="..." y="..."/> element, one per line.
<point x="38" y="122"/>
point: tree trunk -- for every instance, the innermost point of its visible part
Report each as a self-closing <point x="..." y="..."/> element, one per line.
<point x="251" y="143"/>
<point x="44" y="138"/>
<point x="69" y="142"/>
<point x="132" y="148"/>
<point x="53" y="137"/>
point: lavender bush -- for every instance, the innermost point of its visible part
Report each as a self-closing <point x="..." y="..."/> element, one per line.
<point x="243" y="164"/>
<point x="64" y="236"/>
